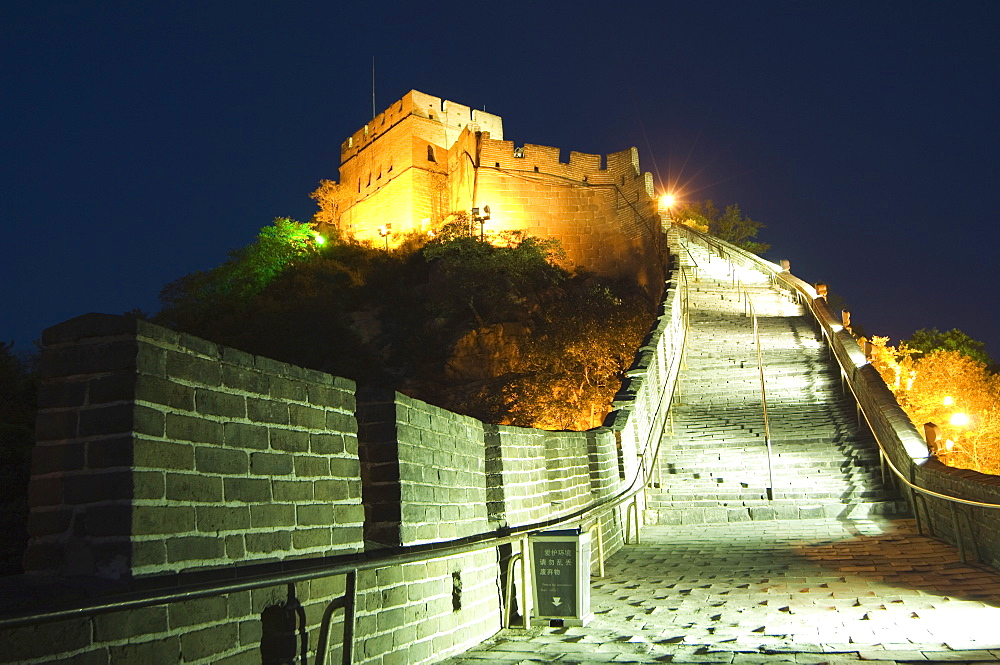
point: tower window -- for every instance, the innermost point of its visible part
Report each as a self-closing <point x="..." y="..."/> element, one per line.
<point x="430" y="154"/>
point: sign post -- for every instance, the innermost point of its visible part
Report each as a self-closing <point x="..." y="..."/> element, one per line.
<point x="561" y="571"/>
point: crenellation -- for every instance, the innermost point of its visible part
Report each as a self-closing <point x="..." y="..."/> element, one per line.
<point x="440" y="157"/>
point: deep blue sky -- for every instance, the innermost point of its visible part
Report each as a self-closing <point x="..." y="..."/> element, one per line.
<point x="142" y="140"/>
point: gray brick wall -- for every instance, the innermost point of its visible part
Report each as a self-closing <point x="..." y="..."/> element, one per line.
<point x="159" y="453"/>
<point x="220" y="630"/>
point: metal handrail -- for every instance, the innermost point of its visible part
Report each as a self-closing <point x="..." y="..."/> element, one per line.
<point x="752" y="313"/>
<point x="763" y="393"/>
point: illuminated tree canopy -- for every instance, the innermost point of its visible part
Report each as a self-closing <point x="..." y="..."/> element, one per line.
<point x="952" y="389"/>
<point x="926" y="341"/>
<point x="426" y="317"/>
<point x="729" y="225"/>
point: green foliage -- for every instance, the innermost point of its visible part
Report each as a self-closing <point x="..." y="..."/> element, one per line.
<point x="488" y="282"/>
<point x="576" y="360"/>
<point x="198" y="298"/>
<point x="396" y="318"/>
<point x="729" y="225"/>
<point x="927" y="341"/>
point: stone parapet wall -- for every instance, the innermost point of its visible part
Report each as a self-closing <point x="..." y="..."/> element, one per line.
<point x="427" y="460"/>
<point x="534" y="475"/>
<point x="159" y="452"/>
<point x="446" y="114"/>
<point x="604" y="218"/>
<point x="423" y="612"/>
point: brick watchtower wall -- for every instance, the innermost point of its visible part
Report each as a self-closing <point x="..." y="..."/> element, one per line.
<point x="394" y="169"/>
<point x="601" y="209"/>
<point x="424" y="158"/>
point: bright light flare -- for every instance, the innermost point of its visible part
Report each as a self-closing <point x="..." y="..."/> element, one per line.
<point x="320" y="240"/>
<point x="667" y="200"/>
<point x="959" y="419"/>
<point x="948" y="400"/>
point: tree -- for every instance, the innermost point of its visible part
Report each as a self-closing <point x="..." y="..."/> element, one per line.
<point x="933" y="387"/>
<point x="729" y="225"/>
<point x="489" y="282"/>
<point x="325" y="197"/>
<point x="194" y="301"/>
<point x="926" y="341"/>
<point x="400" y="318"/>
<point x="957" y="393"/>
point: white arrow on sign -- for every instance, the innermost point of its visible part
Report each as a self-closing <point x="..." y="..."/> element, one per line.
<point x="557" y="600"/>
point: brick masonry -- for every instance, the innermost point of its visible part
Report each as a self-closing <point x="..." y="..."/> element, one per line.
<point x="424" y="158"/>
<point x="162" y="455"/>
<point x="158" y="453"/>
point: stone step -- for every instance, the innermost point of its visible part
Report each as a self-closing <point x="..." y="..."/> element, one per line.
<point x="716" y="459"/>
<point x="772" y="510"/>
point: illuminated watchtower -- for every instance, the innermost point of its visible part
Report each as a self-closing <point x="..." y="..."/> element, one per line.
<point x="394" y="170"/>
<point x="424" y="158"/>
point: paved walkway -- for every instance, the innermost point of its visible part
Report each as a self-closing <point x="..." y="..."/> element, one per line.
<point x="805" y="591"/>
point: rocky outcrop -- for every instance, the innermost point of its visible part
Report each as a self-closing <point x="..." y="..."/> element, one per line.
<point x="486" y="353"/>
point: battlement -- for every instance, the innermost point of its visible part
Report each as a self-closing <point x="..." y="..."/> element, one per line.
<point x="424" y="158"/>
<point x="449" y="117"/>
<point x="614" y="168"/>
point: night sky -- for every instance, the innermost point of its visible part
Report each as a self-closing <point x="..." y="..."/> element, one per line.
<point x="142" y="140"/>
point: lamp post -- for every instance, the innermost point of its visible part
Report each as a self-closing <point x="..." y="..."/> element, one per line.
<point x="482" y="219"/>
<point x="384" y="231"/>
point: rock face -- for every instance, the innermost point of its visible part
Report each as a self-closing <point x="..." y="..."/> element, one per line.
<point x="486" y="352"/>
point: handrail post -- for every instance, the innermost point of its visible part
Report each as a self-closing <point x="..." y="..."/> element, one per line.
<point x="350" y="602"/>
<point x="763" y="401"/>
<point x="525" y="577"/>
<point x="957" y="530"/>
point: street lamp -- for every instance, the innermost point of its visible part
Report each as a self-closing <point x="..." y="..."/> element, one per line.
<point x="384" y="231"/>
<point x="667" y="201"/>
<point x="482" y="219"/>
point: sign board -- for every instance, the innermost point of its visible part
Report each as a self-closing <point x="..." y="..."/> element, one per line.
<point x="561" y="576"/>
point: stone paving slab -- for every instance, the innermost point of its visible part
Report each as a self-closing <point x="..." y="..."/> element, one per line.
<point x="805" y="591"/>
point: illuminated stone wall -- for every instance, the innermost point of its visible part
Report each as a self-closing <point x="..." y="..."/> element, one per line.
<point x="159" y="452"/>
<point x="601" y="208"/>
<point x="394" y="170"/>
<point x="604" y="215"/>
<point x="424" y="470"/>
<point x="534" y="475"/>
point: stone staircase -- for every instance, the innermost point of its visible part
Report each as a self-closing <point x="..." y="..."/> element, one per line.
<point x="714" y="462"/>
